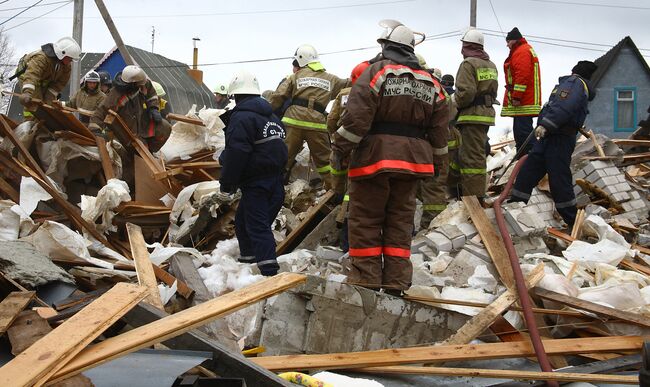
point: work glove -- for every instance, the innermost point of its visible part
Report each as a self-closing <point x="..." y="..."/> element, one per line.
<point x="25" y="99"/>
<point x="540" y="132"/>
<point x="155" y="115"/>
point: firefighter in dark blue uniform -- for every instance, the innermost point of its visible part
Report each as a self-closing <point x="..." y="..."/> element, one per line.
<point x="253" y="161"/>
<point x="557" y="126"/>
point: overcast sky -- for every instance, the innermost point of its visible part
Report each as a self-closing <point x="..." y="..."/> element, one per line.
<point x="251" y="30"/>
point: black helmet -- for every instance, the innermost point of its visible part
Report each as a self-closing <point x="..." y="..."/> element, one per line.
<point x="447" y="80"/>
<point x="105" y="78"/>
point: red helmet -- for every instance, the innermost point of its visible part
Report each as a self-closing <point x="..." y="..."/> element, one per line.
<point x="358" y="70"/>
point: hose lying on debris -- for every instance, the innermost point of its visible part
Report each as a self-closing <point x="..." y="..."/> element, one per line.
<point x="522" y="291"/>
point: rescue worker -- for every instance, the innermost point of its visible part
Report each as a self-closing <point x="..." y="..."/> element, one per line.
<point x="163" y="105"/>
<point x="433" y="190"/>
<point x="340" y="177"/>
<point x="523" y="96"/>
<point x="310" y="88"/>
<point x="140" y="112"/>
<point x="44" y="73"/>
<point x="221" y="96"/>
<point x="105" y="82"/>
<point x="253" y="160"/>
<point x="88" y="97"/>
<point x="556" y="130"/>
<point x="394" y="131"/>
<point x="453" y="143"/>
<point x="476" y="92"/>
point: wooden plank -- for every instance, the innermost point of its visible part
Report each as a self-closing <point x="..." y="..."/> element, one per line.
<point x="9" y="190"/>
<point x="152" y="163"/>
<point x="502" y="374"/>
<point x="492" y="241"/>
<point x="143" y="265"/>
<point x="27" y="329"/>
<point x="107" y="165"/>
<point x="599" y="149"/>
<point x="399" y="356"/>
<point x="631" y="143"/>
<point x="480" y="322"/>
<point x="227" y="362"/>
<point x="623" y="363"/>
<point x="588" y="306"/>
<point x="189" y="120"/>
<point x="9" y="133"/>
<point x="179" y="323"/>
<point x="11" y="307"/>
<point x="311" y="213"/>
<point x="636" y="267"/>
<point x="37" y="363"/>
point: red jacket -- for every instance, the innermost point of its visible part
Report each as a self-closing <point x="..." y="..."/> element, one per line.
<point x="523" y="81"/>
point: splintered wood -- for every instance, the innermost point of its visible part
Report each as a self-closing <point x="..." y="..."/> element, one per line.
<point x="36" y="364"/>
<point x="178" y="323"/>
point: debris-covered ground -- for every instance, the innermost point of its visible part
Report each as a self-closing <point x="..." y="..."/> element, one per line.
<point x="105" y="283"/>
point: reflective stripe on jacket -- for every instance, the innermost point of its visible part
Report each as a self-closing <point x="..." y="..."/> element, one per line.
<point x="476" y="79"/>
<point x="523" y="81"/>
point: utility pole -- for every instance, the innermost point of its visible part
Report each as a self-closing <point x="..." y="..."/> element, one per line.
<point x="114" y="33"/>
<point x="77" y="29"/>
<point x="472" y="13"/>
<point x="153" y="36"/>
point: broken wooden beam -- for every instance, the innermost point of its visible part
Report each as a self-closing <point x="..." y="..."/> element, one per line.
<point x="178" y="323"/>
<point x="186" y="119"/>
<point x="592" y="307"/>
<point x="492" y="241"/>
<point x="143" y="265"/>
<point x="502" y="374"/>
<point x="401" y="356"/>
<point x="36" y="364"/>
<point x="11" y="307"/>
<point x="302" y="227"/>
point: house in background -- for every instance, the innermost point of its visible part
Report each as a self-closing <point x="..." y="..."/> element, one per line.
<point x="622" y="84"/>
<point x="182" y="91"/>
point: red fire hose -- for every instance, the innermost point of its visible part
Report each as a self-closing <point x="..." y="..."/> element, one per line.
<point x="522" y="290"/>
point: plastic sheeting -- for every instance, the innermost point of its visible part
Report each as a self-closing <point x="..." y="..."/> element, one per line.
<point x="108" y="198"/>
<point x="14" y="221"/>
<point x="187" y="139"/>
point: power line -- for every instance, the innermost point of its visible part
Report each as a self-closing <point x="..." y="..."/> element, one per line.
<point x="271" y="11"/>
<point x="590" y="4"/>
<point x="496" y="17"/>
<point x="39" y="16"/>
<point x="21" y="12"/>
<point x="38" y="5"/>
<point x="567" y="41"/>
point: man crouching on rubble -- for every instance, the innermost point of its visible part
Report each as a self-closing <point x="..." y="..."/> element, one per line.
<point x="557" y="126"/>
<point x="253" y="160"/>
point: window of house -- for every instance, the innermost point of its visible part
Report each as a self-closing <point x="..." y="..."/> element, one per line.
<point x="625" y="111"/>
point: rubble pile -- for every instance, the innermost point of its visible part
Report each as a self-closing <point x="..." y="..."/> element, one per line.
<point x="75" y="239"/>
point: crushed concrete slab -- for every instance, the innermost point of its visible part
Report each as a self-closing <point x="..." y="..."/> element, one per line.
<point x="463" y="266"/>
<point x="454" y="234"/>
<point x="439" y="242"/>
<point x="21" y="262"/>
<point x="330" y="317"/>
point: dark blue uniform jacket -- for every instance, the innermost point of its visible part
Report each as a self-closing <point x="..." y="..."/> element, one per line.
<point x="566" y="108"/>
<point x="255" y="147"/>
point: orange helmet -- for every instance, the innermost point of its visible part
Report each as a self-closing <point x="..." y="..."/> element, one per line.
<point x="358" y="70"/>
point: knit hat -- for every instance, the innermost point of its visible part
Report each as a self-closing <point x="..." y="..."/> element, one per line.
<point x="514" y="34"/>
<point x="447" y="80"/>
<point x="584" y="68"/>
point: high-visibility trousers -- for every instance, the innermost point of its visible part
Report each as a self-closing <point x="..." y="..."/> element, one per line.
<point x="380" y="230"/>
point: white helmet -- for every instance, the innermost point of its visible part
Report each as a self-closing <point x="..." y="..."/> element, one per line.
<point x="244" y="82"/>
<point x="305" y="55"/>
<point x="437" y="74"/>
<point x="92" y="76"/>
<point x="396" y="32"/>
<point x="67" y="47"/>
<point x="133" y="74"/>
<point x="221" y="88"/>
<point x="472" y="35"/>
